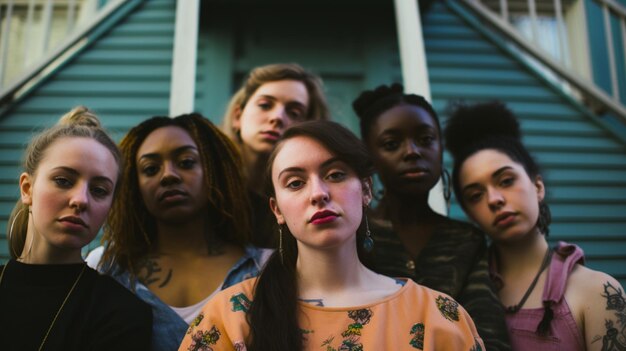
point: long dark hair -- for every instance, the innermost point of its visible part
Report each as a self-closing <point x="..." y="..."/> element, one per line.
<point x="131" y="229"/>
<point x="273" y="315"/>
<point x="489" y="125"/>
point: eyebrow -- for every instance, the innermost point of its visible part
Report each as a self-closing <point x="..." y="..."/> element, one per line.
<point x="74" y="172"/>
<point x="495" y="175"/>
<point x="399" y="130"/>
<point x="179" y="150"/>
<point x="273" y="98"/>
<point x="324" y="164"/>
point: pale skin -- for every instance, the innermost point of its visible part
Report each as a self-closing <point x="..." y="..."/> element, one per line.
<point x="172" y="184"/>
<point x="272" y="108"/>
<point x="69" y="197"/>
<point x="309" y="180"/>
<point x="493" y="184"/>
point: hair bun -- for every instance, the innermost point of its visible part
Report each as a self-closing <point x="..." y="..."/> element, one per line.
<point x="469" y="124"/>
<point x="369" y="98"/>
<point x="81" y="116"/>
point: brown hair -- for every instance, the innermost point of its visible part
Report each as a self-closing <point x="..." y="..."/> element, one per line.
<point x="78" y="122"/>
<point x="318" y="108"/>
<point x="131" y="229"/>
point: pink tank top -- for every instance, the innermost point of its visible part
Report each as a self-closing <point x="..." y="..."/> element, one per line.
<point x="563" y="333"/>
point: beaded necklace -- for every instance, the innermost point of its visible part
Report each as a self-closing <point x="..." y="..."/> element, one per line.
<point x="60" y="308"/>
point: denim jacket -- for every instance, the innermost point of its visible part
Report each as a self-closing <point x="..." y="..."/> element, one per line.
<point x="168" y="328"/>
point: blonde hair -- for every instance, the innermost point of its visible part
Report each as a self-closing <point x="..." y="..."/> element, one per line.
<point x="78" y="122"/>
<point x="318" y="108"/>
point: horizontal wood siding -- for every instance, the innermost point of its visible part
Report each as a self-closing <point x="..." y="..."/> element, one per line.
<point x="124" y="76"/>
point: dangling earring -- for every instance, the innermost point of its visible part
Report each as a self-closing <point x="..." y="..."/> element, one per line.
<point x="447" y="193"/>
<point x="10" y="235"/>
<point x="368" y="242"/>
<point x="280" y="243"/>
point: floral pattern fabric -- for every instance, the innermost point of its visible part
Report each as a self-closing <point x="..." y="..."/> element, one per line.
<point x="414" y="318"/>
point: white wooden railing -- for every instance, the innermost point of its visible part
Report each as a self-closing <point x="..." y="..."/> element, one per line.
<point x="35" y="33"/>
<point x="568" y="54"/>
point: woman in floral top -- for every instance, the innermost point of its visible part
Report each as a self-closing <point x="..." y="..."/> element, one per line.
<point x="315" y="294"/>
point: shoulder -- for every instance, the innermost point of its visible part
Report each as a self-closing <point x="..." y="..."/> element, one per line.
<point x="591" y="284"/>
<point x="110" y="294"/>
<point x="460" y="229"/>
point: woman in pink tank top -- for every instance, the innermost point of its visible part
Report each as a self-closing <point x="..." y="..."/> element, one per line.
<point x="553" y="302"/>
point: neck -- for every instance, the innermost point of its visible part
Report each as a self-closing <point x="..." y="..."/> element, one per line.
<point x="40" y="251"/>
<point x="328" y="271"/>
<point x="182" y="239"/>
<point x="254" y="165"/>
<point x="523" y="255"/>
<point x="406" y="210"/>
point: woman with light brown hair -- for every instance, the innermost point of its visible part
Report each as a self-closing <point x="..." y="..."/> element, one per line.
<point x="272" y="98"/>
<point x="49" y="298"/>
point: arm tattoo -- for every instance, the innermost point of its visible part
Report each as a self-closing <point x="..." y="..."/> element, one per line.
<point x="314" y="302"/>
<point x="615" y="338"/>
<point x="150" y="273"/>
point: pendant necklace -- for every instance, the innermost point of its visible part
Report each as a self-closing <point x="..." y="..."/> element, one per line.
<point x="60" y="308"/>
<point x="546" y="262"/>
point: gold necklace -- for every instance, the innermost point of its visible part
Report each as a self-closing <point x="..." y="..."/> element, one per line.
<point x="60" y="308"/>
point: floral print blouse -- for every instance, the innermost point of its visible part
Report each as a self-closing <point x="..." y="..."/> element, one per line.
<point x="413" y="318"/>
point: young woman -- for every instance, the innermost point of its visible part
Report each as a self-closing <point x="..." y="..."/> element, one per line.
<point x="179" y="230"/>
<point x="272" y="98"/>
<point x="553" y="302"/>
<point x="49" y="298"/>
<point x="403" y="137"/>
<point x="314" y="292"/>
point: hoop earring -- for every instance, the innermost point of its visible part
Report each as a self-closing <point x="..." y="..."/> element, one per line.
<point x="447" y="193"/>
<point x="10" y="235"/>
<point x="368" y="242"/>
<point x="280" y="243"/>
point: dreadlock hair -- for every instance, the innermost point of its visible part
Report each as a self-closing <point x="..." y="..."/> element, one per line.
<point x="372" y="103"/>
<point x="318" y="108"/>
<point x="79" y="122"/>
<point x="131" y="229"/>
<point x="489" y="125"/>
<point x="273" y="315"/>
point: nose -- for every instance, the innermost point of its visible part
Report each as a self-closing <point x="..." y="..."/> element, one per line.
<point x="80" y="197"/>
<point x="495" y="199"/>
<point x="170" y="175"/>
<point x="411" y="150"/>
<point x="319" y="192"/>
<point x="278" y="116"/>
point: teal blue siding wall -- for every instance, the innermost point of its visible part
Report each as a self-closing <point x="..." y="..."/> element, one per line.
<point x="584" y="163"/>
<point x="124" y="76"/>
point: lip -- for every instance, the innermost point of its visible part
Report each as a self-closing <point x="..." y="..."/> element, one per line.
<point x="271" y="134"/>
<point x="504" y="219"/>
<point x="322" y="217"/>
<point x="172" y="195"/>
<point x="414" y="172"/>
<point x="73" y="221"/>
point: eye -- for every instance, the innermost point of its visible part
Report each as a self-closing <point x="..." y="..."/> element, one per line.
<point x="265" y="105"/>
<point x="187" y="163"/>
<point x="474" y="197"/>
<point x="295" y="184"/>
<point x="150" y="170"/>
<point x="295" y="113"/>
<point x="427" y="140"/>
<point x="100" y="192"/>
<point x="506" y="182"/>
<point x="336" y="176"/>
<point x="63" y="182"/>
<point x="391" y="145"/>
